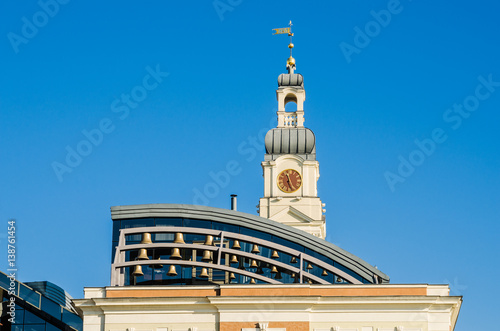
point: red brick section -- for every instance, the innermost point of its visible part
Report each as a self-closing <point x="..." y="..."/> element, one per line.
<point x="145" y="293"/>
<point x="326" y="292"/>
<point x="262" y="291"/>
<point x="290" y="326"/>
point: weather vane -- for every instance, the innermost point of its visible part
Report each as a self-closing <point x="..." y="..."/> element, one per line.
<point x="290" y="63"/>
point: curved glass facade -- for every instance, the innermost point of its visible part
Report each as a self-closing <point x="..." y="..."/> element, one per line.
<point x="197" y="251"/>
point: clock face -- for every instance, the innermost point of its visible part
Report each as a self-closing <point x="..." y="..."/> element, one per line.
<point x="289" y="181"/>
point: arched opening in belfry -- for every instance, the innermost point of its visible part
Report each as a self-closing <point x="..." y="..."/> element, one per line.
<point x="291" y="103"/>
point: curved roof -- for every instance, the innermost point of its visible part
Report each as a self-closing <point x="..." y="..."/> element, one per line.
<point x="254" y="222"/>
<point x="291" y="80"/>
<point x="290" y="141"/>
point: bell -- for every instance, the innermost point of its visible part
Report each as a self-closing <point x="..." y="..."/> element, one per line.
<point x="293" y="275"/>
<point x="293" y="260"/>
<point x="209" y="240"/>
<point x="252" y="281"/>
<point x="179" y="239"/>
<point x="143" y="254"/>
<point x="278" y="276"/>
<point x="234" y="259"/>
<point x="232" y="276"/>
<point x="138" y="271"/>
<point x="325" y="273"/>
<point x="309" y="281"/>
<point x="274" y="269"/>
<point x="339" y="280"/>
<point x="275" y="255"/>
<point x="236" y="245"/>
<point x="309" y="266"/>
<point x="255" y="249"/>
<point x="204" y="273"/>
<point x="254" y="264"/>
<point x="172" y="271"/>
<point x="207" y="256"/>
<point x="176" y="254"/>
<point x="146" y="238"/>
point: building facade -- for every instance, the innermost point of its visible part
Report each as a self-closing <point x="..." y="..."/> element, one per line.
<point x="184" y="267"/>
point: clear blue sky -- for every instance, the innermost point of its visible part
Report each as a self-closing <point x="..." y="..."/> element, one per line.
<point x="427" y="214"/>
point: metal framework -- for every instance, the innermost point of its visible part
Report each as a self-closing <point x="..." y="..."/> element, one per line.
<point x="120" y="263"/>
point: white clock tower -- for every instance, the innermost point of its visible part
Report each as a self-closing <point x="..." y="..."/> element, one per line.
<point x="290" y="168"/>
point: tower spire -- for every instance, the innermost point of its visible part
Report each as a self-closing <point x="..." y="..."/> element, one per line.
<point x="290" y="62"/>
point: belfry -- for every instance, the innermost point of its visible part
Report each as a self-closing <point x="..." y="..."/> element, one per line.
<point x="290" y="168"/>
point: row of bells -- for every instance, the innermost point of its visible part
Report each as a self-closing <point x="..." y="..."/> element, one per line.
<point x="207" y="255"/>
<point x="203" y="274"/>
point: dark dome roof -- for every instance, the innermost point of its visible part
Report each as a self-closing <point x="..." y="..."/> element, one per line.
<point x="291" y="80"/>
<point x="290" y="141"/>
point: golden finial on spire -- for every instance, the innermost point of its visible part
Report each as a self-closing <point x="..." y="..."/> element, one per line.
<point x="290" y="63"/>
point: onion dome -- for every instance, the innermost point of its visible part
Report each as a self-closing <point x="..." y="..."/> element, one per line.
<point x="290" y="141"/>
<point x="291" y="80"/>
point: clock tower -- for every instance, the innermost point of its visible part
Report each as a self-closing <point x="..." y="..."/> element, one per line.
<point x="290" y="168"/>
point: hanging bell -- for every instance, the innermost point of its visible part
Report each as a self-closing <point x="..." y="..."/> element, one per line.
<point x="232" y="276"/>
<point x="275" y="255"/>
<point x="278" y="276"/>
<point x="204" y="273"/>
<point x="274" y="269"/>
<point x="255" y="249"/>
<point x="236" y="245"/>
<point x="143" y="254"/>
<point x="252" y="281"/>
<point x="325" y="273"/>
<point x="293" y="259"/>
<point x="207" y="256"/>
<point x="172" y="271"/>
<point x="254" y="264"/>
<point x="309" y="266"/>
<point x="179" y="238"/>
<point x="309" y="281"/>
<point x="176" y="254"/>
<point x="339" y="280"/>
<point x="209" y="240"/>
<point x="137" y="271"/>
<point x="234" y="259"/>
<point x="146" y="238"/>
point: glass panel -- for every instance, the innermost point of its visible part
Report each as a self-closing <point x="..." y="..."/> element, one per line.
<point x="255" y="233"/>
<point x="19" y="317"/>
<point x="29" y="295"/>
<point x="50" y="327"/>
<point x="30" y="318"/>
<point x="225" y="227"/>
<point x="168" y="221"/>
<point x="163" y="237"/>
<point x="17" y="327"/>
<point x="137" y="223"/>
<point x="5" y="281"/>
<point x="116" y="230"/>
<point x="287" y="243"/>
<point x="51" y="308"/>
<point x="197" y="223"/>
<point x="72" y="320"/>
<point x="34" y="327"/>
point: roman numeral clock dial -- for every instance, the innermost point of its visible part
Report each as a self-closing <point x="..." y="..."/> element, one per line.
<point x="289" y="181"/>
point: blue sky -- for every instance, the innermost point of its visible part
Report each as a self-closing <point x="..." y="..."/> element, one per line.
<point x="403" y="99"/>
